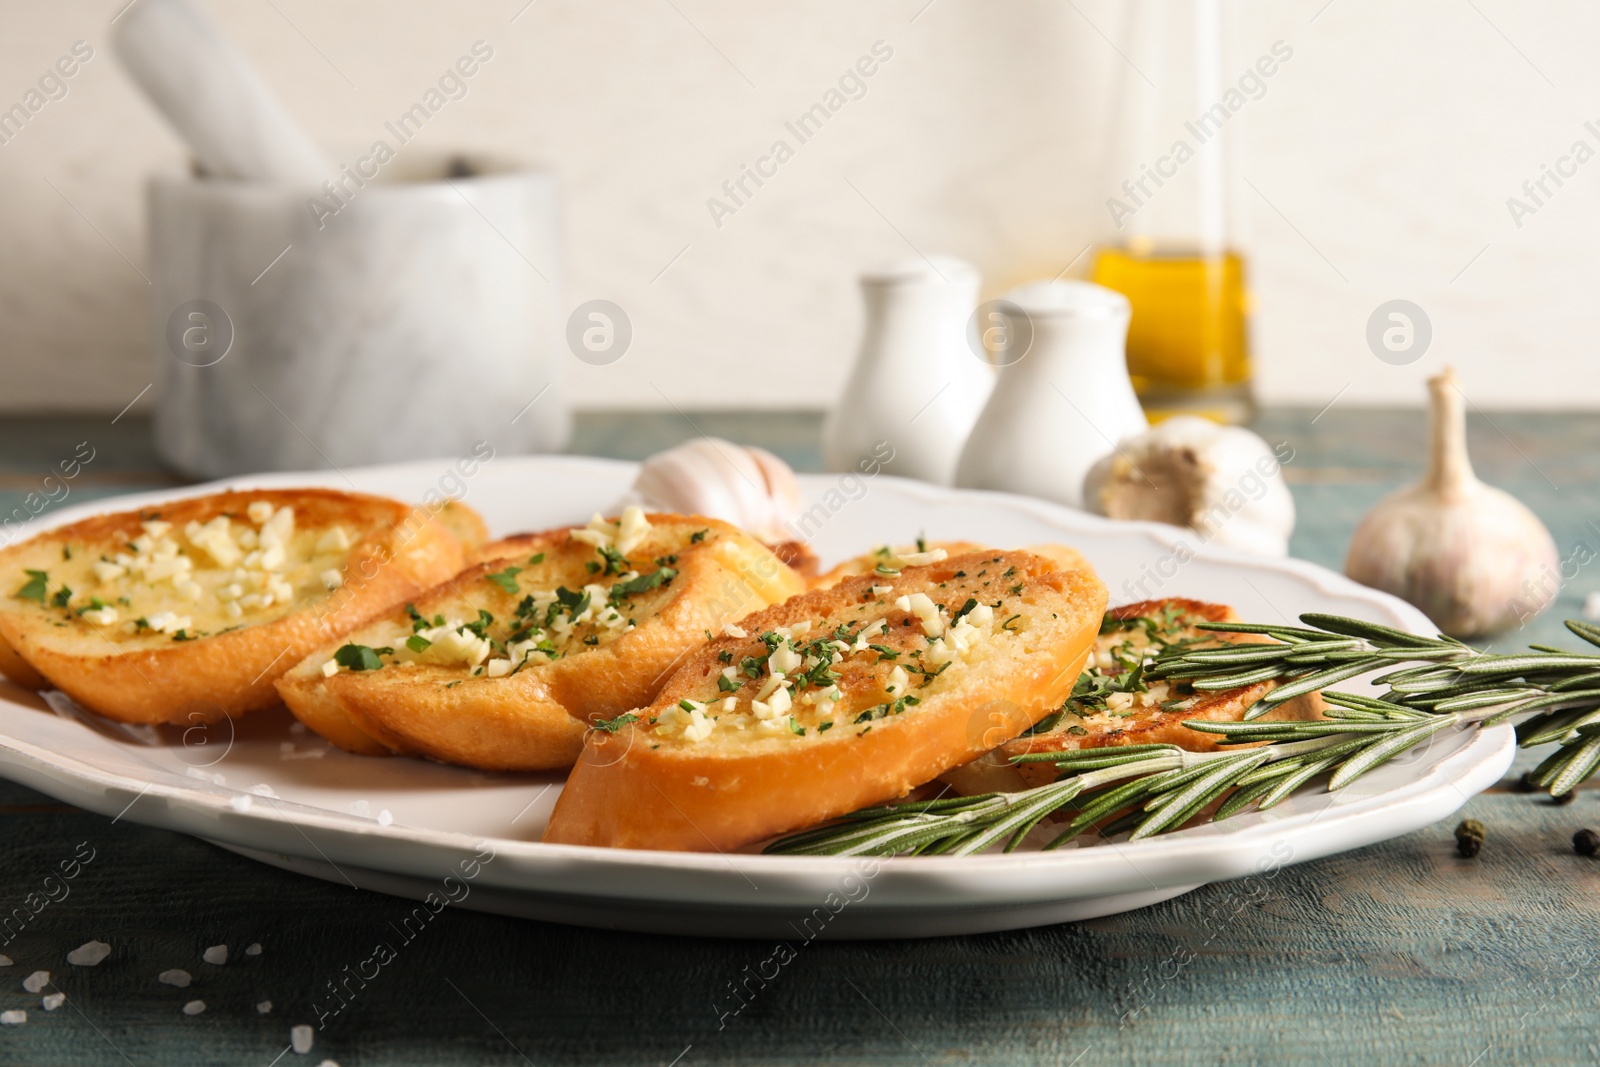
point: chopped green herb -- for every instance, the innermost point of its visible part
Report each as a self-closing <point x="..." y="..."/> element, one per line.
<point x="95" y="604"/>
<point x="536" y="559"/>
<point x="507" y="579"/>
<point x="687" y="705"/>
<point x="34" y="588"/>
<point x="922" y="542"/>
<point x="885" y="651"/>
<point x="796" y="728"/>
<point x="452" y="685"/>
<point x="62" y="598"/>
<point x="594" y="568"/>
<point x="66" y="551"/>
<point x="592" y="639"/>
<point x="725" y="656"/>
<point x="823" y="726"/>
<point x="642" y="583"/>
<point x="418" y="643"/>
<point x="726" y="684"/>
<point x="357" y="658"/>
<point x="184" y="635"/>
<point x="481" y="627"/>
<point x="881" y="569"/>
<point x="616" y="562"/>
<point x="1007" y="624"/>
<point x="972" y="602"/>
<point x="611" y="726"/>
<point x="698" y="536"/>
<point x="1044" y="725"/>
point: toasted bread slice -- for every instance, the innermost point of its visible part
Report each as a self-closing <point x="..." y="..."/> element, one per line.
<point x="189" y="612"/>
<point x="835" y="700"/>
<point x="505" y="666"/>
<point x="1104" y="710"/>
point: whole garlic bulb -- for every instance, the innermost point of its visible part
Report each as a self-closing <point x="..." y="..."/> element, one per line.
<point x="1222" y="481"/>
<point x="1463" y="552"/>
<point x="749" y="487"/>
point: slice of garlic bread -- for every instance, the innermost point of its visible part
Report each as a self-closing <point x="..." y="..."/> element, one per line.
<point x="504" y="666"/>
<point x="835" y="700"/>
<point x="1111" y="704"/>
<point x="188" y="612"/>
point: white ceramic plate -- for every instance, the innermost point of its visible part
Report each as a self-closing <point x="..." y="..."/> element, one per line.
<point x="412" y="828"/>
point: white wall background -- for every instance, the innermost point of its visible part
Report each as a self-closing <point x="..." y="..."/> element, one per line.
<point x="1387" y="149"/>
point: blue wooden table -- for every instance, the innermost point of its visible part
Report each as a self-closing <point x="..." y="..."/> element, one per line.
<point x="1402" y="952"/>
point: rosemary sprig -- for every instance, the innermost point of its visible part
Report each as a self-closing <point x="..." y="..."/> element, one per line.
<point x="1434" y="684"/>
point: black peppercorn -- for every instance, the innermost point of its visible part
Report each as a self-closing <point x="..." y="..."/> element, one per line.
<point x="1586" y="843"/>
<point x="1525" y="784"/>
<point x="1469" y="837"/>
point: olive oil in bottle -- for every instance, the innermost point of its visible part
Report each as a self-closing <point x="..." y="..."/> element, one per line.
<point x="1189" y="340"/>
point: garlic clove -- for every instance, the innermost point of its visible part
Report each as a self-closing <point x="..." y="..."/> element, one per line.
<point x="1224" y="482"/>
<point x="1471" y="557"/>
<point x="748" y="487"/>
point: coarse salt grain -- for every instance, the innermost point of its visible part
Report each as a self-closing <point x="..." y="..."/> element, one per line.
<point x="262" y="790"/>
<point x="52" y="1001"/>
<point x="176" y="976"/>
<point x="194" y="1007"/>
<point x="36" y="981"/>
<point x="240" y="803"/>
<point x="89" y="954"/>
<point x="6" y="961"/>
<point x="384" y="818"/>
<point x="13" y="1018"/>
<point x="253" y="950"/>
<point x="264" y="1007"/>
<point x="360" y="807"/>
<point x="216" y="954"/>
<point x="300" y="1039"/>
<point x="1591" y="607"/>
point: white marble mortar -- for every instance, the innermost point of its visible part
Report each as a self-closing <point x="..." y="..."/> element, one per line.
<point x="420" y="318"/>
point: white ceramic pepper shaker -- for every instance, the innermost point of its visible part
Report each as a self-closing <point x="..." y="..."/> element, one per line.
<point x="1064" y="403"/>
<point x="917" y="386"/>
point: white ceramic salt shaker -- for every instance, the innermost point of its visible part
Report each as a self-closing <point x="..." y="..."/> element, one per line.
<point x="917" y="386"/>
<point x="1064" y="403"/>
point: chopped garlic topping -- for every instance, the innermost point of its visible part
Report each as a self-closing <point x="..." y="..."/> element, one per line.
<point x="898" y="682"/>
<point x="918" y="559"/>
<point x="733" y="631"/>
<point x="778" y="703"/>
<point x="632" y="528"/>
<point x="333" y="539"/>
<point x="331" y="579"/>
<point x="156" y="529"/>
<point x="166" y="622"/>
<point x="926" y="611"/>
<point x="107" y="572"/>
<point x="330" y="668"/>
<point x="101" y="616"/>
<point x="259" y="511"/>
<point x="784" y="660"/>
